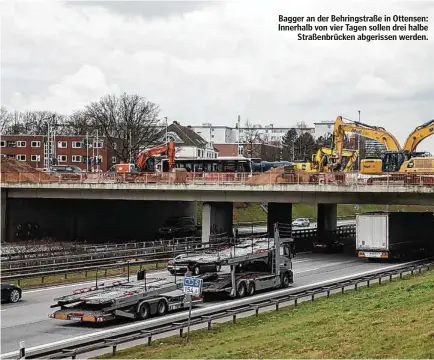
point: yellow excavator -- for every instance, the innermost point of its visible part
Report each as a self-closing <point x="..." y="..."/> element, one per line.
<point x="320" y="161"/>
<point x="390" y="162"/>
<point x="417" y="135"/>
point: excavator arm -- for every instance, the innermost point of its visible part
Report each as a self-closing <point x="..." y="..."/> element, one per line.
<point x="157" y="150"/>
<point x="417" y="135"/>
<point x="371" y="132"/>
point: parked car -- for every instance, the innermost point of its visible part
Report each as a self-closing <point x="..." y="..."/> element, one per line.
<point x="66" y="169"/>
<point x="11" y="293"/>
<point x="182" y="226"/>
<point x="331" y="246"/>
<point x="301" y="222"/>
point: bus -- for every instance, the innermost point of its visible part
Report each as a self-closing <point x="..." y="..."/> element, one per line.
<point x="226" y="164"/>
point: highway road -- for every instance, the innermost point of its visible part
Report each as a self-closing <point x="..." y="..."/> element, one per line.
<point x="243" y="230"/>
<point x="28" y="320"/>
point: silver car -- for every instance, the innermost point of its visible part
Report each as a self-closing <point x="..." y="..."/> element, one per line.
<point x="301" y="222"/>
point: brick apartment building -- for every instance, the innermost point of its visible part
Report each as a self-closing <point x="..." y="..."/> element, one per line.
<point x="68" y="150"/>
<point x="261" y="151"/>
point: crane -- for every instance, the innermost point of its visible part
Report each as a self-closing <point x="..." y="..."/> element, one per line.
<point x="417" y="135"/>
<point x="392" y="160"/>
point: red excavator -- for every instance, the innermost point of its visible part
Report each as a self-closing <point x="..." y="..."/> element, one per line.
<point x="144" y="156"/>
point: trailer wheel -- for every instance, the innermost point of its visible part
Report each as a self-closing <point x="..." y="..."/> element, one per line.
<point x="251" y="290"/>
<point x="162" y="308"/>
<point x="143" y="311"/>
<point x="241" y="291"/>
<point x="196" y="270"/>
<point x="285" y="280"/>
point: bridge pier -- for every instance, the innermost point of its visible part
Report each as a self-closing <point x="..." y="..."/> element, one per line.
<point x="327" y="218"/>
<point x="3" y="214"/>
<point x="217" y="218"/>
<point x="278" y="213"/>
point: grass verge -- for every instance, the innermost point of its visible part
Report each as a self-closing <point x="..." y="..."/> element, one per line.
<point x="393" y="320"/>
<point x="84" y="276"/>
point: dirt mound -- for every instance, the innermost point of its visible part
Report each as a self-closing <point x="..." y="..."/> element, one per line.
<point x="280" y="175"/>
<point x="13" y="170"/>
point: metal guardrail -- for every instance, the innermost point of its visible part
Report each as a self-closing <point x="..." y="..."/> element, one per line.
<point x="84" y="269"/>
<point x="344" y="232"/>
<point x="229" y="310"/>
<point x="172" y="248"/>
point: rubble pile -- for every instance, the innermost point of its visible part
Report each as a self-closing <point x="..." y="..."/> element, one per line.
<point x="281" y="175"/>
<point x="13" y="170"/>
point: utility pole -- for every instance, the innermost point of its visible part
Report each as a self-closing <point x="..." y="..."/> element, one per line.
<point x="358" y="146"/>
<point x="238" y="136"/>
<point x="87" y="151"/>
<point x="166" y="129"/>
<point x="130" y="146"/>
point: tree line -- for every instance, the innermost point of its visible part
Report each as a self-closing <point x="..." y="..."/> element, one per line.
<point x="133" y="123"/>
<point x="129" y="120"/>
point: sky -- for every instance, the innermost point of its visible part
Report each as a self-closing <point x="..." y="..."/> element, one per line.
<point x="210" y="61"/>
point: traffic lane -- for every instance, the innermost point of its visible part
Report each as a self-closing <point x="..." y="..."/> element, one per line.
<point x="35" y="304"/>
<point x="43" y="330"/>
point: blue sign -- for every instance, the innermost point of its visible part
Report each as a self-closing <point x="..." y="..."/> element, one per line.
<point x="192" y="286"/>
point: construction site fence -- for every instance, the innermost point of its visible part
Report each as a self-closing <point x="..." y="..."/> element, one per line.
<point x="271" y="177"/>
<point x="116" y="251"/>
<point x="225" y="312"/>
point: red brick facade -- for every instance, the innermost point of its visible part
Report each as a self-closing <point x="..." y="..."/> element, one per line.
<point x="69" y="150"/>
<point x="264" y="152"/>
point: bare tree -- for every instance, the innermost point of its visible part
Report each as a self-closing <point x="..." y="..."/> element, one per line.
<point x="30" y="122"/>
<point x="129" y="121"/>
<point x="252" y="140"/>
<point x="78" y="124"/>
<point x="6" y="120"/>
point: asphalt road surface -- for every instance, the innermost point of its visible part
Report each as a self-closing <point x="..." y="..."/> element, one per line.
<point x="28" y="320"/>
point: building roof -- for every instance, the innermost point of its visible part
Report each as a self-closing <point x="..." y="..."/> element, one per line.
<point x="187" y="136"/>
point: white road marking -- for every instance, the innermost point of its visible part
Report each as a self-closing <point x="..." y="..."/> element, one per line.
<point x="156" y="321"/>
<point x="299" y="272"/>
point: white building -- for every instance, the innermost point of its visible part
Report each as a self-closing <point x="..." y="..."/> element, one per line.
<point x="230" y="135"/>
<point x="323" y="129"/>
<point x="188" y="143"/>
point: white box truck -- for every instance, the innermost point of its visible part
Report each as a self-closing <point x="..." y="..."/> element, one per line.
<point x="394" y="235"/>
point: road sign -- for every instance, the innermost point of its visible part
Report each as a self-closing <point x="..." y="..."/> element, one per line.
<point x="192" y="286"/>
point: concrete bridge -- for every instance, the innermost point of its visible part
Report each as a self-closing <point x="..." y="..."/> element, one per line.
<point x="137" y="207"/>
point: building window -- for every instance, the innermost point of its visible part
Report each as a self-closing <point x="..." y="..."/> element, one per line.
<point x="77" y="144"/>
<point x="62" y="144"/>
<point x="2" y="143"/>
<point x="113" y="159"/>
<point x="76" y="158"/>
<point x="115" y="146"/>
<point x="35" y="144"/>
<point x="21" y="143"/>
<point x="61" y="158"/>
<point x="240" y="150"/>
<point x="21" y="157"/>
<point x="35" y="157"/>
<point x="97" y="145"/>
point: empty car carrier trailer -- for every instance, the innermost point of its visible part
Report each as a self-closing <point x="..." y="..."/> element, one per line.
<point x="394" y="235"/>
<point x="133" y="300"/>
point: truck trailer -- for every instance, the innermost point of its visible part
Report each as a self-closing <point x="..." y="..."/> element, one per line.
<point x="266" y="265"/>
<point x="134" y="300"/>
<point x="394" y="235"/>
